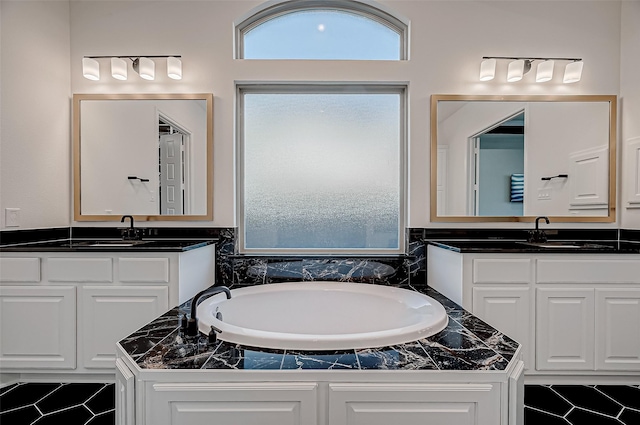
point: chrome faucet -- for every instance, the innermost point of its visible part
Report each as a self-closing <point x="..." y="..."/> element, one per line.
<point x="538" y="235"/>
<point x="130" y="233"/>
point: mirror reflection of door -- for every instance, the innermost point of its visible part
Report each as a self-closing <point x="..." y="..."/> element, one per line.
<point x="173" y="148"/>
<point x="497" y="153"/>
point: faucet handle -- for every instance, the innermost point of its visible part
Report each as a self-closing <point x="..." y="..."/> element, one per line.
<point x="537" y="236"/>
<point x="130" y="233"/>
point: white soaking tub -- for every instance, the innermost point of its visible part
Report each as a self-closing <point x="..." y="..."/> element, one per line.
<point x="321" y="316"/>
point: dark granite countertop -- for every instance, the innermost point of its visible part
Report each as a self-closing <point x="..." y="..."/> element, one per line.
<point x="549" y="247"/>
<point x="107" y="245"/>
<point x="467" y="343"/>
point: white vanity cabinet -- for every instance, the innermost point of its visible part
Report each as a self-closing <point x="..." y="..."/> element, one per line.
<point x="588" y="313"/>
<point x="574" y="314"/>
<point x="65" y="311"/>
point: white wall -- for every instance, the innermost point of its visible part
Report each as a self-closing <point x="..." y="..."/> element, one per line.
<point x="448" y="40"/>
<point x="629" y="98"/>
<point x="35" y="118"/>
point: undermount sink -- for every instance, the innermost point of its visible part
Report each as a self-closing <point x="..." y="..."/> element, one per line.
<point x="114" y="243"/>
<point x="571" y="245"/>
<point x="111" y="244"/>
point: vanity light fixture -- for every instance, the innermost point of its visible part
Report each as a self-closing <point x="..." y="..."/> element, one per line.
<point x="519" y="66"/>
<point x="145" y="66"/>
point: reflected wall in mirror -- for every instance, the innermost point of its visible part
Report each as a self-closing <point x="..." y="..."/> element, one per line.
<point x="513" y="158"/>
<point x="146" y="155"/>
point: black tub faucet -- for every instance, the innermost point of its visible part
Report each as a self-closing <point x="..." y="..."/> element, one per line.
<point x="192" y="323"/>
<point x="538" y="235"/>
<point x="130" y="233"/>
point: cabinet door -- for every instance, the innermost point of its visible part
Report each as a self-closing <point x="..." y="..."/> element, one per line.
<point x="37" y="327"/>
<point x="618" y="329"/>
<point x="508" y="310"/>
<point x="109" y="313"/>
<point x="276" y="403"/>
<point x="565" y="329"/>
<point x="414" y="404"/>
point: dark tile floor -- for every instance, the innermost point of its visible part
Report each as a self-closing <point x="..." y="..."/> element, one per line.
<point x="582" y="404"/>
<point x="93" y="404"/>
<point x="57" y="404"/>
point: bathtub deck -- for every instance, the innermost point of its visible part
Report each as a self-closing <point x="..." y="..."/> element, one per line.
<point x="466" y="344"/>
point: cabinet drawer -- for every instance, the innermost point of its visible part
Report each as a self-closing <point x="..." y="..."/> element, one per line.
<point x="277" y="403"/>
<point x="80" y="269"/>
<point x="413" y="404"/>
<point x="588" y="271"/>
<point x="503" y="270"/>
<point x="19" y="269"/>
<point x="143" y="270"/>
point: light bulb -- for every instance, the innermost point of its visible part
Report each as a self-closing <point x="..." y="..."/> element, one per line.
<point x="90" y="69"/>
<point x="174" y="68"/>
<point x="573" y="72"/>
<point x="544" y="72"/>
<point x="487" y="69"/>
<point x="118" y="68"/>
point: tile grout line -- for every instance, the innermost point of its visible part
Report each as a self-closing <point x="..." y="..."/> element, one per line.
<point x="91" y="398"/>
<point x="595" y="387"/>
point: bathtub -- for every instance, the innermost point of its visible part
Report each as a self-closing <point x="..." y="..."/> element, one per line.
<point x="321" y="316"/>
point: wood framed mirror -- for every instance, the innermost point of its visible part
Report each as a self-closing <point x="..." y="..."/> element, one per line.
<point x="145" y="155"/>
<point x="513" y="158"/>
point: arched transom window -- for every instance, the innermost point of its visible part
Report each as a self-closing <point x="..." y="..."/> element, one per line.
<point x="324" y="30"/>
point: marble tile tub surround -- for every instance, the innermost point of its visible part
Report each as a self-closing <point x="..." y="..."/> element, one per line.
<point x="467" y="343"/>
<point x="630" y="235"/>
<point x="235" y="269"/>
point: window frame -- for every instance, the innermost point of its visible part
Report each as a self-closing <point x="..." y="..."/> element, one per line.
<point x="402" y="89"/>
<point x="367" y="10"/>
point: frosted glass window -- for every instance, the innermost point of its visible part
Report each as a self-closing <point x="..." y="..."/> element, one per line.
<point x="322" y="171"/>
<point x="323" y="33"/>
